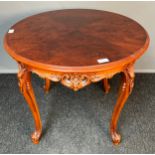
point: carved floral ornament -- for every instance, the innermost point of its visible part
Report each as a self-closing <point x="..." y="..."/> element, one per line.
<point x="77" y="81"/>
<point x="74" y="81"/>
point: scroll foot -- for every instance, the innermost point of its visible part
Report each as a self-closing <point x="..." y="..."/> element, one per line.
<point x="116" y="138"/>
<point x="36" y="137"/>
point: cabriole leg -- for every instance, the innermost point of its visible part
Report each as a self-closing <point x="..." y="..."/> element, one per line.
<point x="125" y="90"/>
<point x="24" y="77"/>
<point x="106" y="85"/>
<point x="47" y="85"/>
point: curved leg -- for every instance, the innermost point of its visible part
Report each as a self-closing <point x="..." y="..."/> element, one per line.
<point x="125" y="90"/>
<point x="47" y="85"/>
<point x="106" y="85"/>
<point x="24" y="77"/>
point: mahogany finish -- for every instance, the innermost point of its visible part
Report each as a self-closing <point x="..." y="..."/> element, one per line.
<point x="65" y="45"/>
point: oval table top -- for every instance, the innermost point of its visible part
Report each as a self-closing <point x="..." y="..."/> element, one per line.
<point x="75" y="39"/>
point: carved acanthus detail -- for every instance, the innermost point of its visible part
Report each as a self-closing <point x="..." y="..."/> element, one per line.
<point x="75" y="81"/>
<point x="22" y="78"/>
<point x="129" y="71"/>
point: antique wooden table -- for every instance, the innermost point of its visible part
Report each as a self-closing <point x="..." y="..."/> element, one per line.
<point x="76" y="47"/>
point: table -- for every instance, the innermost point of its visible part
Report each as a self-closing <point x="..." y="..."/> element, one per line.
<point x="76" y="47"/>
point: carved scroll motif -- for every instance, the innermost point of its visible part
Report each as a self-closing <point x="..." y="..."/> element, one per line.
<point x="21" y="77"/>
<point x="74" y="81"/>
<point x="131" y="76"/>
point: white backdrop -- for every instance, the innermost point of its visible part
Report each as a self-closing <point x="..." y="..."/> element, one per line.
<point x="143" y="12"/>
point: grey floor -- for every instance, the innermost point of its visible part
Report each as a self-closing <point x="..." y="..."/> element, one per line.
<point x="77" y="122"/>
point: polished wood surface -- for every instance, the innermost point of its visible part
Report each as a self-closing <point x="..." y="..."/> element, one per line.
<point x="65" y="45"/>
<point x="61" y="38"/>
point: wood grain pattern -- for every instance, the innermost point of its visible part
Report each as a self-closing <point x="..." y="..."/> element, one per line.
<point x="57" y="40"/>
<point x="64" y="46"/>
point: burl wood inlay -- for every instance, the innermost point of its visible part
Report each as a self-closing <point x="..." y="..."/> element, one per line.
<point x="65" y="45"/>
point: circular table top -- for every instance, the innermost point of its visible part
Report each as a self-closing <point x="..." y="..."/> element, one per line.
<point x="76" y="38"/>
